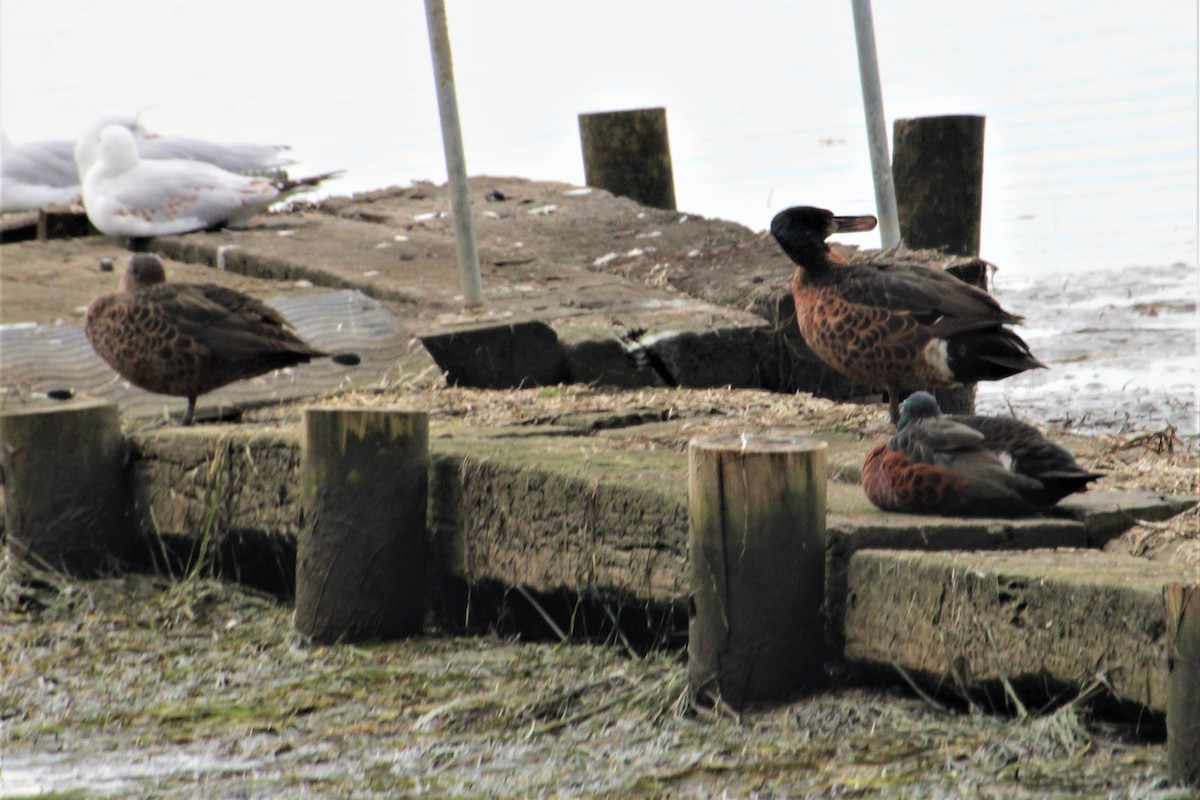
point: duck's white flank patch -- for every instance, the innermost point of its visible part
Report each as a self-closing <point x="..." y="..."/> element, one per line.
<point x="937" y="356"/>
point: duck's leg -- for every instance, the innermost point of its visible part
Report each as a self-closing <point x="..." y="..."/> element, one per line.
<point x="191" y="411"/>
<point x="894" y="403"/>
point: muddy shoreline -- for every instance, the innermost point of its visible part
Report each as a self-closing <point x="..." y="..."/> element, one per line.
<point x="142" y="687"/>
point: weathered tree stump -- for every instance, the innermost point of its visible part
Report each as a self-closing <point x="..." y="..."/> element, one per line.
<point x="937" y="167"/>
<point x="362" y="555"/>
<point x="629" y="154"/>
<point x="1183" y="683"/>
<point x="67" y="487"/>
<point x="756" y="547"/>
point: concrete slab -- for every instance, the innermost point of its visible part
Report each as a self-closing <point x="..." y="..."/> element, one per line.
<point x="1107" y="514"/>
<point x="580" y="503"/>
<point x="1090" y="522"/>
<point x="634" y="296"/>
<point x="560" y="513"/>
<point x="1044" y="620"/>
<point x="397" y="245"/>
<point x="237" y="480"/>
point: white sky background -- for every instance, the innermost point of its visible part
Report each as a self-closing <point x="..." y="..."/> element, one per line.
<point x="1091" y="150"/>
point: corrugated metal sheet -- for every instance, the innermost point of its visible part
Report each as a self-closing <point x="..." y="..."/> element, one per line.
<point x="42" y="358"/>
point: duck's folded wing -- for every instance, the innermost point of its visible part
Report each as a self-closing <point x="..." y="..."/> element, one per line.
<point x="233" y="325"/>
<point x="924" y="292"/>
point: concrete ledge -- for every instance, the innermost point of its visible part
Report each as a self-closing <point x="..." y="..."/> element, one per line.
<point x="1057" y="619"/>
<point x="555" y="513"/>
<point x="233" y="480"/>
<point x="872" y="528"/>
<point x="499" y="356"/>
<point x="1107" y="514"/>
<point x="567" y="506"/>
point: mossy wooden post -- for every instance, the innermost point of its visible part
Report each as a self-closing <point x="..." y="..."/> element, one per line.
<point x="937" y="167"/>
<point x="756" y="549"/>
<point x="629" y="154"/>
<point x="68" y="497"/>
<point x="362" y="556"/>
<point x="1183" y="683"/>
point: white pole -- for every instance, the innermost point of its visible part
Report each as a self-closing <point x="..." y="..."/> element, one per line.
<point x="456" y="163"/>
<point x="877" y="135"/>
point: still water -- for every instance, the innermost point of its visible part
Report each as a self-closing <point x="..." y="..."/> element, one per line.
<point x="1091" y="144"/>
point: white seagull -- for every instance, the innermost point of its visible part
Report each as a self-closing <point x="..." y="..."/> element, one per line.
<point x="126" y="195"/>
<point x="37" y="174"/>
<point x="49" y="172"/>
<point x="245" y="158"/>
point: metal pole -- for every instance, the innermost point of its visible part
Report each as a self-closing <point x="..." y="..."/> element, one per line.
<point x="877" y="134"/>
<point x="456" y="163"/>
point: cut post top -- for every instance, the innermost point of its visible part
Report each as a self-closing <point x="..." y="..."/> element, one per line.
<point x="13" y="405"/>
<point x="766" y="442"/>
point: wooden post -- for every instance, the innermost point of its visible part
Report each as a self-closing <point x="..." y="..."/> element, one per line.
<point x="756" y="545"/>
<point x="67" y="487"/>
<point x="629" y="154"/>
<point x="362" y="558"/>
<point x="938" y="170"/>
<point x="937" y="166"/>
<point x="1183" y="683"/>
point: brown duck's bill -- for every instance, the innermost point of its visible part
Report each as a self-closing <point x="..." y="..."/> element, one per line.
<point x="848" y="224"/>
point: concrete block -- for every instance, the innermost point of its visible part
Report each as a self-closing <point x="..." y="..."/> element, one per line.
<point x="1088" y="521"/>
<point x="499" y="356"/>
<point x="230" y="492"/>
<point x="1107" y="514"/>
<point x="729" y="357"/>
<point x="1045" y="620"/>
<point x="560" y="513"/>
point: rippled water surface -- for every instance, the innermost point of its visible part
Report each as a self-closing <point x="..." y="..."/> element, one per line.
<point x="1121" y="346"/>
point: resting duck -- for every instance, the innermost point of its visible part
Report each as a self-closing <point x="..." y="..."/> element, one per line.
<point x="968" y="466"/>
<point x="899" y="326"/>
<point x="187" y="339"/>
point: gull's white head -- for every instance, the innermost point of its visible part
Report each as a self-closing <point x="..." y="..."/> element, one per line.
<point x="118" y="149"/>
<point x="87" y="148"/>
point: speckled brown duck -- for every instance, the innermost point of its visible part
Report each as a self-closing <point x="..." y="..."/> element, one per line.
<point x="968" y="466"/>
<point x="1022" y="448"/>
<point x="186" y="339"/>
<point x="898" y="326"/>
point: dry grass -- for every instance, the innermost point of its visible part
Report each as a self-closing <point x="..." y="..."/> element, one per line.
<point x="484" y="408"/>
<point x="196" y="688"/>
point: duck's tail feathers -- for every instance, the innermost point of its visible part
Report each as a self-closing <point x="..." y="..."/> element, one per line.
<point x="1056" y="486"/>
<point x="989" y="355"/>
